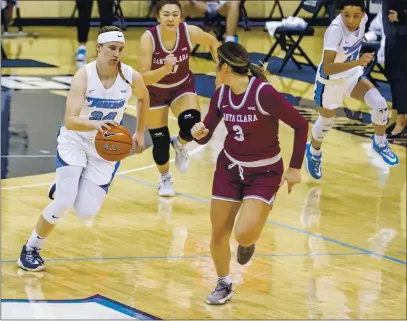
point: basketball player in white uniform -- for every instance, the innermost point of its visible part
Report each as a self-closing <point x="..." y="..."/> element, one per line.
<point x="96" y="101"/>
<point x="339" y="75"/>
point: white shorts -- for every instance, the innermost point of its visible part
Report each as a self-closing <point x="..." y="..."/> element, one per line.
<point x="78" y="149"/>
<point x="330" y="94"/>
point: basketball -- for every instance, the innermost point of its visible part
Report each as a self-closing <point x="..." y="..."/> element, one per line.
<point x="114" y="144"/>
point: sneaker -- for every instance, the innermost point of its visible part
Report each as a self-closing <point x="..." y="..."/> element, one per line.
<point x="81" y="54"/>
<point x="313" y="163"/>
<point x="165" y="187"/>
<point x="51" y="190"/>
<point x="221" y="294"/>
<point x="30" y="260"/>
<point x="244" y="254"/>
<point x="385" y="152"/>
<point x="181" y="155"/>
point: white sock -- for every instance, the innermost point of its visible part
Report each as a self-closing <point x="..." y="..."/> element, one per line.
<point x="315" y="152"/>
<point x="166" y="175"/>
<point x="380" y="139"/>
<point x="35" y="242"/>
<point x="229" y="38"/>
<point x="225" y="279"/>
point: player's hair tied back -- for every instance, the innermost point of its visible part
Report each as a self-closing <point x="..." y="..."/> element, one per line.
<point x="237" y="57"/>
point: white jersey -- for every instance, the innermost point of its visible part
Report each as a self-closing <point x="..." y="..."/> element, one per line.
<point x="76" y="148"/>
<point x="105" y="104"/>
<point x="347" y="45"/>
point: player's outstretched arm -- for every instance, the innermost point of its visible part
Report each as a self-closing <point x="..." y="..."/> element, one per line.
<point x="198" y="36"/>
<point x="74" y="104"/>
<point x="145" y="60"/>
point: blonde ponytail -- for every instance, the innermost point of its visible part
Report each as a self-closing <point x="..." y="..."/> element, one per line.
<point x="119" y="66"/>
<point x="258" y="71"/>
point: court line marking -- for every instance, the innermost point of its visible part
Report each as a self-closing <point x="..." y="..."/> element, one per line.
<point x="195" y="198"/>
<point x="97" y="298"/>
<point x="137" y="169"/>
<point x="130" y="258"/>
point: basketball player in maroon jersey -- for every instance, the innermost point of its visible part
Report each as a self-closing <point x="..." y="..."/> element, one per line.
<point x="249" y="169"/>
<point x="164" y="64"/>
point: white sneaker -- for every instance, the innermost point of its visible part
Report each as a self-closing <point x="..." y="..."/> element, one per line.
<point x="165" y="187"/>
<point x="181" y="155"/>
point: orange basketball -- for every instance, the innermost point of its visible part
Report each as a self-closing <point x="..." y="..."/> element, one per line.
<point x="114" y="144"/>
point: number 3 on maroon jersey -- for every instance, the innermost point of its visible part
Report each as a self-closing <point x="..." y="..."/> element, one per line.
<point x="174" y="69"/>
<point x="239" y="133"/>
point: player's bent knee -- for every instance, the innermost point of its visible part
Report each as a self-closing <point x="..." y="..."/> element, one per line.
<point x="89" y="200"/>
<point x="65" y="195"/>
<point x="321" y="127"/>
<point x="378" y="105"/>
<point x="161" y="145"/>
<point x="186" y="120"/>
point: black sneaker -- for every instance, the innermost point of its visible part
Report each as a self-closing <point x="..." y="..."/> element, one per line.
<point x="221" y="294"/>
<point x="30" y="260"/>
<point x="244" y="254"/>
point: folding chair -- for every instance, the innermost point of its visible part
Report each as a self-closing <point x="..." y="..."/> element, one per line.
<point x="218" y="24"/>
<point x="285" y="35"/>
<point x="276" y="5"/>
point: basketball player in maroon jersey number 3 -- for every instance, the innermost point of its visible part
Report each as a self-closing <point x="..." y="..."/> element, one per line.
<point x="249" y="169"/>
<point x="164" y="64"/>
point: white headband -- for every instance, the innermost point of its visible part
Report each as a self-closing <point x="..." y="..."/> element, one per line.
<point x="110" y="36"/>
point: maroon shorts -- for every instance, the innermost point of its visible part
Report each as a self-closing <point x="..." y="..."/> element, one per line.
<point x="164" y="97"/>
<point x="258" y="182"/>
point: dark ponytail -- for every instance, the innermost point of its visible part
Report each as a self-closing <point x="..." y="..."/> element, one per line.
<point x="236" y="56"/>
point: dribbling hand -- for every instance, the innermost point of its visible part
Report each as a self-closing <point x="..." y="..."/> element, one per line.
<point x="199" y="131"/>
<point x="292" y="176"/>
<point x="104" y="125"/>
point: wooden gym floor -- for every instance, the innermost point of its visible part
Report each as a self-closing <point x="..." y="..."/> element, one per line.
<point x="334" y="249"/>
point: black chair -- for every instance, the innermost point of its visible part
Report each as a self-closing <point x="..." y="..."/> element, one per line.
<point x="276" y="5"/>
<point x="290" y="38"/>
<point x="218" y="24"/>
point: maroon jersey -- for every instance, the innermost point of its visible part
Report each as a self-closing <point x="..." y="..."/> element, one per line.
<point x="252" y="120"/>
<point x="181" y="51"/>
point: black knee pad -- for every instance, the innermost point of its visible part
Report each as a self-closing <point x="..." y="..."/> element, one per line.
<point x="186" y="120"/>
<point x="161" y="145"/>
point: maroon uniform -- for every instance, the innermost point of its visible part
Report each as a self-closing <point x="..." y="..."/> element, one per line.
<point x="180" y="80"/>
<point x="250" y="165"/>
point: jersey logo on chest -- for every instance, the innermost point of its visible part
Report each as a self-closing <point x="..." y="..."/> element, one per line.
<point x="240" y="118"/>
<point x="105" y="103"/>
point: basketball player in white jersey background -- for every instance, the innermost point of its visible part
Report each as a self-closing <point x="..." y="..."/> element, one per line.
<point x="340" y="74"/>
<point x="96" y="101"/>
